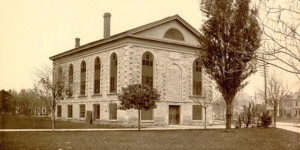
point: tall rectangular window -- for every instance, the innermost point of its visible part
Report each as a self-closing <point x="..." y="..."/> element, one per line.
<point x="97" y="76"/>
<point x="70" y="111"/>
<point x="96" y="111"/>
<point x="59" y="111"/>
<point x="147" y="114"/>
<point x="147" y="69"/>
<point x="70" y="86"/>
<point x="197" y="78"/>
<point x="82" y="111"/>
<point x="197" y="112"/>
<point x="113" y="73"/>
<point x="147" y="79"/>
<point x="197" y="87"/>
<point x="82" y="78"/>
<point x="113" y="111"/>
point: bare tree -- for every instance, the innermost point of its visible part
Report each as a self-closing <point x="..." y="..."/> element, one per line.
<point x="51" y="86"/>
<point x="280" y="23"/>
<point x="205" y="102"/>
<point x="276" y="93"/>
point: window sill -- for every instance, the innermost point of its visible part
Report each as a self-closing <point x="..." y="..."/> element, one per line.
<point x="82" y="96"/>
<point x="70" y="118"/>
<point x="70" y="97"/>
<point x="147" y="121"/>
<point x="112" y="120"/>
<point x="197" y="120"/>
<point x="95" y="95"/>
<point x="82" y="118"/>
<point x="197" y="96"/>
<point x="112" y="94"/>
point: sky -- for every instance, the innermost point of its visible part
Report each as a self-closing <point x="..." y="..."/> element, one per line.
<point x="33" y="30"/>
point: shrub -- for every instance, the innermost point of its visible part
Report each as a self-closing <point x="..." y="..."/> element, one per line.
<point x="266" y="119"/>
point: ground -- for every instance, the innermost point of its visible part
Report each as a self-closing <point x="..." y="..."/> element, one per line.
<point x="29" y="122"/>
<point x="252" y="138"/>
<point x="245" y="138"/>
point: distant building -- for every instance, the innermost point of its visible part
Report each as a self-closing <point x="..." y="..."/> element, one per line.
<point x="290" y="106"/>
<point x="5" y="102"/>
<point x="160" y="54"/>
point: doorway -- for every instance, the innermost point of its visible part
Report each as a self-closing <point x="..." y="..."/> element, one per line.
<point x="174" y="115"/>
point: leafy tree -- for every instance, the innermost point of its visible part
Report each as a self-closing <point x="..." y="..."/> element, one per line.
<point x="51" y="86"/>
<point x="137" y="96"/>
<point x="231" y="37"/>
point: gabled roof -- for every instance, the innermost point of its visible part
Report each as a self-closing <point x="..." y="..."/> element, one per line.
<point x="127" y="34"/>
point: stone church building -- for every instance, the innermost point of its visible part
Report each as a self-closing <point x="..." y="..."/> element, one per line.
<point x="161" y="54"/>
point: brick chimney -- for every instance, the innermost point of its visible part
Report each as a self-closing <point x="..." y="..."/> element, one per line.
<point x="77" y="42"/>
<point x="106" y="32"/>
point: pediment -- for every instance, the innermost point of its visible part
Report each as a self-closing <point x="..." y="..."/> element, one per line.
<point x="172" y="30"/>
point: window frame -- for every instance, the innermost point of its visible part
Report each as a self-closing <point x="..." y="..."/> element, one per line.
<point x="197" y="117"/>
<point x="70" y="112"/>
<point x="96" y="112"/>
<point x="168" y="35"/>
<point x="147" y="63"/>
<point x="111" y="116"/>
<point x="82" y="114"/>
<point x="113" y="60"/>
<point x="195" y="83"/>
<point x="97" y="69"/>
<point x="152" y="115"/>
<point x="59" y="111"/>
<point x="70" y="80"/>
<point x="83" y="80"/>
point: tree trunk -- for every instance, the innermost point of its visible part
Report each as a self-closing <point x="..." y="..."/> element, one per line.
<point x="228" y="115"/>
<point x="139" y="120"/>
<point x="275" y="114"/>
<point x="53" y="117"/>
<point x="205" y="118"/>
<point x="53" y="120"/>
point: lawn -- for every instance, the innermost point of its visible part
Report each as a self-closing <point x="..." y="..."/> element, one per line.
<point x="30" y="122"/>
<point x="252" y="138"/>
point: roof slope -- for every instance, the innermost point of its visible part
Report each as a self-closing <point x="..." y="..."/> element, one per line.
<point x="129" y="33"/>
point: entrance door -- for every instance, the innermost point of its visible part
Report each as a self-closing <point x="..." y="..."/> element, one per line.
<point x="174" y="115"/>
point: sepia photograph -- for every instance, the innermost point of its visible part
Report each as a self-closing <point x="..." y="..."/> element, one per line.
<point x="157" y="75"/>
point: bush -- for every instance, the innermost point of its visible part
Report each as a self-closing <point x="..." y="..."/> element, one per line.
<point x="266" y="119"/>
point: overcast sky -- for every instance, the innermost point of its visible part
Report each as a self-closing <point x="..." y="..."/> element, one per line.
<point x="33" y="30"/>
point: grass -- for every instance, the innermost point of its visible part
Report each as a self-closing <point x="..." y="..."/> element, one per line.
<point x="30" y="122"/>
<point x="288" y="120"/>
<point x="252" y="138"/>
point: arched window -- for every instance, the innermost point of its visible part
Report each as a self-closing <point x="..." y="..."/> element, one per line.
<point x="97" y="75"/>
<point x="113" y="73"/>
<point x="70" y="88"/>
<point x="174" y="34"/>
<point x="147" y="69"/>
<point x="147" y="79"/>
<point x="82" y="77"/>
<point x="197" y="78"/>
<point x="59" y="81"/>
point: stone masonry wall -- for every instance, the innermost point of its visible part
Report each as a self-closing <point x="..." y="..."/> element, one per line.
<point x="172" y="78"/>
